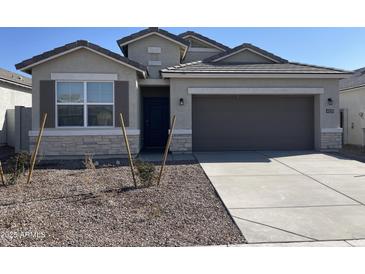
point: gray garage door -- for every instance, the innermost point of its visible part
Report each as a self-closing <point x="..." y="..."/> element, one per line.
<point x="248" y="122"/>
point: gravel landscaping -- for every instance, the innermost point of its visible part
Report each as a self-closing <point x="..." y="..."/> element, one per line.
<point x="67" y="206"/>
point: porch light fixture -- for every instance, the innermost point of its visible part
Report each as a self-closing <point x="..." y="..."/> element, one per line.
<point x="181" y="102"/>
<point x="330" y="101"/>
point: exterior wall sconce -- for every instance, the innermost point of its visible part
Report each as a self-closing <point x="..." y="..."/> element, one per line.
<point x="330" y="101"/>
<point x="181" y="102"/>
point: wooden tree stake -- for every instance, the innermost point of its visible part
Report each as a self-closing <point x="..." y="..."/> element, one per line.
<point x="169" y="139"/>
<point x="35" y="152"/>
<point x="128" y="149"/>
<point x="2" y="175"/>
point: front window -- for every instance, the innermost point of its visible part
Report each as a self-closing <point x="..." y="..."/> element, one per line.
<point x="85" y="104"/>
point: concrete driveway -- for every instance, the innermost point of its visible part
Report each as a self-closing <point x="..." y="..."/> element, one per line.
<point x="277" y="196"/>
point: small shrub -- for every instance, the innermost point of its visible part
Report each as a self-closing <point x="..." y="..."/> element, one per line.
<point x="18" y="164"/>
<point x="89" y="162"/>
<point x="155" y="211"/>
<point x="145" y="172"/>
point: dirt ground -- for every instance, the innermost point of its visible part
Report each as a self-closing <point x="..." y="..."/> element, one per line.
<point x="67" y="206"/>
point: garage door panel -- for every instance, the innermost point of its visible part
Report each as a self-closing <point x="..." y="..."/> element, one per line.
<point x="252" y="122"/>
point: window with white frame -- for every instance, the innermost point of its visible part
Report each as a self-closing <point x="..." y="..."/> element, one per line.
<point x="85" y="104"/>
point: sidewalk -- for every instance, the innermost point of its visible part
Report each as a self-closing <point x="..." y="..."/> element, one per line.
<point x="345" y="243"/>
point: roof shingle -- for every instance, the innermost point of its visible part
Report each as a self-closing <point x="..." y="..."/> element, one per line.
<point x="275" y="68"/>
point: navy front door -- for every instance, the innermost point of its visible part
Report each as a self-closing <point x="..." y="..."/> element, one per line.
<point x="156" y="121"/>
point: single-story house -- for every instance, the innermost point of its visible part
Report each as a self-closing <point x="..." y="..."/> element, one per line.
<point x="352" y="106"/>
<point x="15" y="90"/>
<point x="244" y="98"/>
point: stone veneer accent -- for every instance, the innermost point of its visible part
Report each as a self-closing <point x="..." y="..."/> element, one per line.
<point x="78" y="146"/>
<point x="113" y="145"/>
<point x="331" y="141"/>
<point x="181" y="143"/>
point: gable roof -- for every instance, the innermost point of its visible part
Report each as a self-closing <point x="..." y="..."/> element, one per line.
<point x="202" y="68"/>
<point x="123" y="42"/>
<point x="26" y="65"/>
<point x="203" y="39"/>
<point x="15" y="79"/>
<point x="246" y="46"/>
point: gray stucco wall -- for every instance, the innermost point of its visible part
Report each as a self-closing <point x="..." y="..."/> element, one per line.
<point x="196" y="43"/>
<point x="192" y="56"/>
<point x="85" y="61"/>
<point x="169" y="56"/>
<point x="199" y="54"/>
<point x="10" y="127"/>
<point x="19" y="123"/>
<point x="179" y="89"/>
<point x="353" y="103"/>
<point x="11" y="96"/>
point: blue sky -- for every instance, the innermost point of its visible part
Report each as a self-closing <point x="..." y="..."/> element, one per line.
<point x="333" y="47"/>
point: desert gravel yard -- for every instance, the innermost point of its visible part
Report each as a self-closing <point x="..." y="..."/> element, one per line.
<point x="83" y="207"/>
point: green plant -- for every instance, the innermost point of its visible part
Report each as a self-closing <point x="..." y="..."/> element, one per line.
<point x="145" y="172"/>
<point x="18" y="164"/>
<point x="155" y="211"/>
<point x="89" y="162"/>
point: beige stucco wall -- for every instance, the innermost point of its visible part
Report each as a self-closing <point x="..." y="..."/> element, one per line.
<point x="353" y="102"/>
<point x="11" y="96"/>
<point x="85" y="61"/>
<point x="179" y="89"/>
<point x="169" y="56"/>
<point x="246" y="56"/>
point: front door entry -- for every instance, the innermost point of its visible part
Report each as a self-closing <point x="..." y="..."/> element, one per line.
<point x="156" y="116"/>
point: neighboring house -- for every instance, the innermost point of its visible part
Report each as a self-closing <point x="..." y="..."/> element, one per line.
<point x="243" y="98"/>
<point x="352" y="104"/>
<point x="15" y="90"/>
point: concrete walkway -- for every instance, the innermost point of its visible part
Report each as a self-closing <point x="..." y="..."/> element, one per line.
<point x="348" y="243"/>
<point x="284" y="197"/>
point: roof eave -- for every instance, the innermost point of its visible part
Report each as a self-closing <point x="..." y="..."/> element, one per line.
<point x="28" y="68"/>
<point x="166" y="74"/>
<point x="15" y="83"/>
<point x="346" y="89"/>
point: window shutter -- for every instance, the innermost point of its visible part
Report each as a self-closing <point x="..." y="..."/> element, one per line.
<point x="121" y="102"/>
<point x="47" y="101"/>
